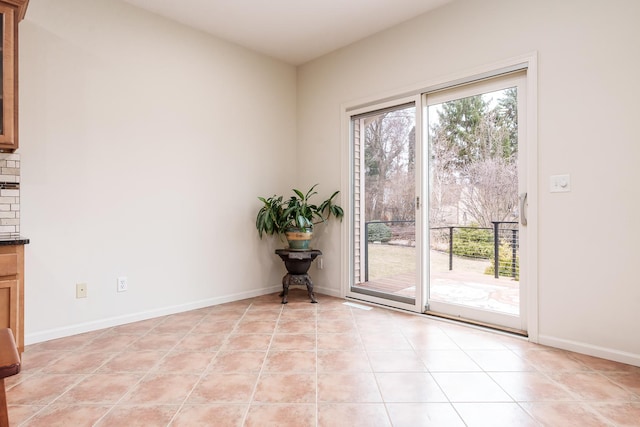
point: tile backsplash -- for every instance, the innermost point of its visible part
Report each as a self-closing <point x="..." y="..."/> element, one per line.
<point x="9" y="193"/>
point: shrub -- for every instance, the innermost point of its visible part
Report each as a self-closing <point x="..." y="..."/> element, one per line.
<point x="379" y="232"/>
<point x="473" y="243"/>
<point x="505" y="255"/>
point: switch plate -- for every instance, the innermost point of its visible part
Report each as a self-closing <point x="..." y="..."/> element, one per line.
<point x="81" y="290"/>
<point x="560" y="183"/>
<point x="123" y="284"/>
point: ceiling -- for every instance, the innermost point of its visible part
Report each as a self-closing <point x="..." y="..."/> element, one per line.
<point x="294" y="31"/>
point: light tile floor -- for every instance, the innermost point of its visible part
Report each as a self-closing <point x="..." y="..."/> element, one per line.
<point x="257" y="362"/>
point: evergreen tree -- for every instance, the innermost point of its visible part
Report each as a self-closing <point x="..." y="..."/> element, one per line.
<point x="507" y="113"/>
<point x="474" y="148"/>
<point x="458" y="125"/>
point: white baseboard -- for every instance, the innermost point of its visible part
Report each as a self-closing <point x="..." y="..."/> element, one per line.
<point x="316" y="289"/>
<point x="591" y="350"/>
<point x="327" y="291"/>
<point x="96" y="325"/>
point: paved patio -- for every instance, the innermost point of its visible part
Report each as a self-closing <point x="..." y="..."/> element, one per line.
<point x="392" y="271"/>
<point x="458" y="287"/>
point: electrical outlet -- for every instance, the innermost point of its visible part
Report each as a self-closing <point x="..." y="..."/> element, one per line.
<point x="123" y="285"/>
<point x="81" y="290"/>
<point x="320" y="263"/>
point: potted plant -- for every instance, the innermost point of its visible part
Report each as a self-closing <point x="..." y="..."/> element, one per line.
<point x="295" y="217"/>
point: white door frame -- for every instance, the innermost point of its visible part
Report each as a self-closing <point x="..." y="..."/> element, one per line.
<point x="530" y="257"/>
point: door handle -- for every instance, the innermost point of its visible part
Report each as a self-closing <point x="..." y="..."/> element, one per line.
<point x="523" y="205"/>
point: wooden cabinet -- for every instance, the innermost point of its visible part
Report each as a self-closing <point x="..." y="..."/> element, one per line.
<point x="12" y="291"/>
<point x="11" y="12"/>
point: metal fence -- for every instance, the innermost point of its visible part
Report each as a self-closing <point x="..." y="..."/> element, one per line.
<point x="500" y="243"/>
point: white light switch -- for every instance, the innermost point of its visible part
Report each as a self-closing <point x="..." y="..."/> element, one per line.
<point x="560" y="183"/>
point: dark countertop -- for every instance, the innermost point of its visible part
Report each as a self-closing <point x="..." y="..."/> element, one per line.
<point x="12" y="239"/>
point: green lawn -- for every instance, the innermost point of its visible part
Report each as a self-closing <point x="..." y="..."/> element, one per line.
<point x="390" y="260"/>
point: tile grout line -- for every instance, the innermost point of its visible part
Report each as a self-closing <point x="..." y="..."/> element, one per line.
<point x="205" y="371"/>
<point x="82" y="377"/>
<point x="150" y="370"/>
<point x="264" y="362"/>
<point x="373" y="373"/>
<point x="430" y="373"/>
<point x="368" y="353"/>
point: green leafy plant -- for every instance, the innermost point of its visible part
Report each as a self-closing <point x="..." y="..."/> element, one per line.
<point x="279" y="214"/>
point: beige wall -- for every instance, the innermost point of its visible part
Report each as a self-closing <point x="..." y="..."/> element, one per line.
<point x="144" y="145"/>
<point x="588" y="286"/>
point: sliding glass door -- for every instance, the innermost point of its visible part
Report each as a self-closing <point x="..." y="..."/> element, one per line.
<point x="437" y="195"/>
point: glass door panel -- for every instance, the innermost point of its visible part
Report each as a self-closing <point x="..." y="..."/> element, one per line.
<point x="385" y="258"/>
<point x="474" y="229"/>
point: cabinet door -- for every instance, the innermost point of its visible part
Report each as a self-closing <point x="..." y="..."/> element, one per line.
<point x="12" y="291"/>
<point x="9" y="305"/>
<point x="9" y="87"/>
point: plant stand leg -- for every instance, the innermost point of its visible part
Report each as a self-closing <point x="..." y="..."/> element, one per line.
<point x="285" y="288"/>
<point x="297" y="279"/>
<point x="312" y="295"/>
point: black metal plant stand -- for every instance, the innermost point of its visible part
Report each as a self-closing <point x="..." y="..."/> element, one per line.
<point x="297" y="264"/>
